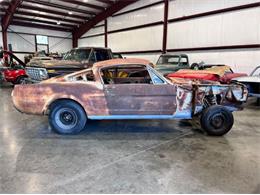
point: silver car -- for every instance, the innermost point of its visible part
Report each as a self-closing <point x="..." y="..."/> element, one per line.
<point x="252" y="82"/>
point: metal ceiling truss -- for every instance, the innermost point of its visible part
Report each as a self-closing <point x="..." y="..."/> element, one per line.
<point x="77" y="19"/>
<point x="82" y="29"/>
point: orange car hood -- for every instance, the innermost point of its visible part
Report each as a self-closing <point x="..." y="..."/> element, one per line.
<point x="217" y="70"/>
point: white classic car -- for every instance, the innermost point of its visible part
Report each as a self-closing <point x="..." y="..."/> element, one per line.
<point x="252" y="82"/>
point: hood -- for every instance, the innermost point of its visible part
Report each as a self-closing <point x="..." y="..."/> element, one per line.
<point x="215" y="70"/>
<point x="56" y="64"/>
<point x="191" y="82"/>
<point x="250" y="79"/>
<point x="55" y="79"/>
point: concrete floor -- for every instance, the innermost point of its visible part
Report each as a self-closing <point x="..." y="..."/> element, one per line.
<point x="127" y="156"/>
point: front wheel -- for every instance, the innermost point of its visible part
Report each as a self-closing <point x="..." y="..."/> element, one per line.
<point x="20" y="80"/>
<point x="216" y="120"/>
<point x="67" y="117"/>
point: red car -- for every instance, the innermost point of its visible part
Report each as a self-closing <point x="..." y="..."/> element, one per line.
<point x="15" y="76"/>
<point x="222" y="73"/>
<point x="13" y="68"/>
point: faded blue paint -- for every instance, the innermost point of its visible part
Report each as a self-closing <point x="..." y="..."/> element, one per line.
<point x="134" y="117"/>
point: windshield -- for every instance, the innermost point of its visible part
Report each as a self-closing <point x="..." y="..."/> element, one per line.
<point x="174" y="60"/>
<point x="77" y="54"/>
<point x="256" y="72"/>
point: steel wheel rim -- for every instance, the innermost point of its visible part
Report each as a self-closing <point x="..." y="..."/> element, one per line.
<point x="217" y="121"/>
<point x="66" y="118"/>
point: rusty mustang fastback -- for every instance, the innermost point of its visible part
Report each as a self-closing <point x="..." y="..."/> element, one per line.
<point x="129" y="89"/>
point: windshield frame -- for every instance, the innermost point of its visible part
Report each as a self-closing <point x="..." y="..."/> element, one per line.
<point x="169" y="56"/>
<point x="252" y="74"/>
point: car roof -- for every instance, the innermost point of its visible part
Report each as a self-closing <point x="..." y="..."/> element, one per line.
<point x="118" y="62"/>
<point x="167" y="54"/>
<point x="91" y="48"/>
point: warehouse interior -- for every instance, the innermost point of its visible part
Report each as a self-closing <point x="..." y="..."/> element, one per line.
<point x="129" y="156"/>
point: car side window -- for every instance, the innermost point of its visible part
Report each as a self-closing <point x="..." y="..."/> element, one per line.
<point x="86" y="76"/>
<point x="101" y="55"/>
<point x="156" y="80"/>
<point x="184" y="61"/>
<point x="90" y="75"/>
<point x="134" y="74"/>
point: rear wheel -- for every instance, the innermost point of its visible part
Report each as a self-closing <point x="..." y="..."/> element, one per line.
<point x="67" y="117"/>
<point x="195" y="66"/>
<point x="216" y="120"/>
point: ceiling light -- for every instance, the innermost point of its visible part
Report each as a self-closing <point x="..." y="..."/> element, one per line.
<point x="85" y="1"/>
<point x="58" y="22"/>
<point x="70" y="13"/>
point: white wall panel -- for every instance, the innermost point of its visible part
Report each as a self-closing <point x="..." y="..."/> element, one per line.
<point x="59" y="45"/>
<point x="20" y="56"/>
<point x="136" y="40"/>
<point x="241" y="27"/>
<point x="195" y="33"/>
<point x="234" y="28"/>
<point x="95" y="31"/>
<point x="98" y="41"/>
<point x="23" y="43"/>
<point x="151" y="57"/>
<point x="144" y="16"/>
<point x="39" y="31"/>
<point x="100" y="23"/>
<point x="138" y="4"/>
<point x="180" y="8"/>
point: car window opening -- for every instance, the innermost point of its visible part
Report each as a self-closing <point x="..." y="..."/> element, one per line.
<point x="86" y="76"/>
<point x="126" y="75"/>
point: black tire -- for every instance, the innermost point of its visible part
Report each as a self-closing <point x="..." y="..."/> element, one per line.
<point x="195" y="66"/>
<point x="216" y="120"/>
<point x="19" y="80"/>
<point x="67" y="117"/>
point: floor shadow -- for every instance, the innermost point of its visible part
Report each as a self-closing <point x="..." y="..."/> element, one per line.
<point x="124" y="130"/>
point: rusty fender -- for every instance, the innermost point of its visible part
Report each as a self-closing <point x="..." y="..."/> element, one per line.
<point x="230" y="96"/>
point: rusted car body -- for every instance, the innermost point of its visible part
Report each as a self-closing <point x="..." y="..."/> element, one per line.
<point x="127" y="89"/>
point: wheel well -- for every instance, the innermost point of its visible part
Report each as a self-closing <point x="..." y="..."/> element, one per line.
<point x="21" y="76"/>
<point x="47" y="110"/>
